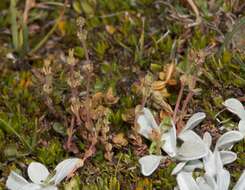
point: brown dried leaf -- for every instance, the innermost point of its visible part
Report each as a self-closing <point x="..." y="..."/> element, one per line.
<point x="129" y="116"/>
<point x="163" y="114"/>
<point x="158" y="85"/>
<point x="159" y="102"/>
<point x="97" y="98"/>
<point x="170" y="71"/>
<point x="162" y="75"/>
<point x="99" y="112"/>
<point x="110" y="29"/>
<point x="110" y="98"/>
<point x="120" y="140"/>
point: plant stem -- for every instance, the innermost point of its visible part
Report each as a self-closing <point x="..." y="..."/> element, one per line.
<point x="40" y="44"/>
<point x="182" y="85"/>
<point x="14" y="26"/>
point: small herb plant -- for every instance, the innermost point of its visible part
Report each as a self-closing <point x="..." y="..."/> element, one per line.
<point x="192" y="147"/>
<point x="194" y="152"/>
<point x="40" y="177"/>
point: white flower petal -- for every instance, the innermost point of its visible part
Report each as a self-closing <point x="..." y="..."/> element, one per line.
<point x="37" y="172"/>
<point x="241" y="127"/>
<point x="192" y="165"/>
<point x="146" y="123"/>
<point x="194" y="120"/>
<point x="209" y="164"/>
<point x="228" y="139"/>
<point x="186" y="181"/>
<point x="149" y="164"/>
<point x="218" y="162"/>
<point x="223" y="180"/>
<point x="240" y="185"/>
<point x="236" y="107"/>
<point x="15" y="181"/>
<point x="210" y="181"/>
<point x="207" y="139"/>
<point x="191" y="151"/>
<point x="192" y="148"/>
<point x="31" y="186"/>
<point x="65" y="168"/>
<point x="170" y="140"/>
<point x="202" y="184"/>
<point x="228" y="157"/>
<point x="178" y="168"/>
<point x="187" y="166"/>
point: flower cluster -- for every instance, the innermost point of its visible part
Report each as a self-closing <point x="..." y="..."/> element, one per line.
<point x="194" y="152"/>
<point x="192" y="148"/>
<point x="40" y="177"/>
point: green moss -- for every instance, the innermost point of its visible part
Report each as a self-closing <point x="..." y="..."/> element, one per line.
<point x="238" y="166"/>
<point x="50" y="154"/>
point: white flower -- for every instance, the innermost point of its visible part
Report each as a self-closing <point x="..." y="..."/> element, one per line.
<point x="216" y="177"/>
<point x="236" y="107"/>
<point x="39" y="176"/>
<point x="192" y="147"/>
<point x="150" y="163"/>
<point x="222" y="151"/>
<point x="222" y="148"/>
<point x="187" y="182"/>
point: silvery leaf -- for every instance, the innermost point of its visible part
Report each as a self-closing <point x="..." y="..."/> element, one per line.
<point x="223" y="180"/>
<point x="146" y="123"/>
<point x="235" y="107"/>
<point x="178" y="168"/>
<point x="194" y="121"/>
<point x="190" y="135"/>
<point x="241" y="127"/>
<point x="31" y="186"/>
<point x="149" y="164"/>
<point x="192" y="165"/>
<point x="218" y="162"/>
<point x="186" y="181"/>
<point x="207" y="139"/>
<point x="15" y="181"/>
<point x="189" y="166"/>
<point x="240" y="185"/>
<point x="37" y="172"/>
<point x="170" y="141"/>
<point x="228" y="157"/>
<point x="209" y="164"/>
<point x="228" y="139"/>
<point x="65" y="168"/>
<point x="191" y="151"/>
<point x="202" y="184"/>
<point x="192" y="148"/>
<point x="210" y="181"/>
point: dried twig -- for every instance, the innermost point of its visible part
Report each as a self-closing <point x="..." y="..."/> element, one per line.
<point x="88" y="69"/>
<point x="70" y="133"/>
<point x="177" y="105"/>
<point x="195" y="9"/>
<point x="28" y="6"/>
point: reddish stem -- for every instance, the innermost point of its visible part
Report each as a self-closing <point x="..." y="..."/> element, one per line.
<point x="182" y="85"/>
